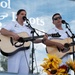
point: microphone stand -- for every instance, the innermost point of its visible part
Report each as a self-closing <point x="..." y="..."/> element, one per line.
<point x="32" y="32"/>
<point x="73" y="36"/>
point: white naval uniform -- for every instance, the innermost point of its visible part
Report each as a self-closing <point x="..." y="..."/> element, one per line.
<point x="18" y="63"/>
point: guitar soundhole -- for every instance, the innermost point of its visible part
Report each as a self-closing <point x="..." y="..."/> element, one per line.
<point x="66" y="47"/>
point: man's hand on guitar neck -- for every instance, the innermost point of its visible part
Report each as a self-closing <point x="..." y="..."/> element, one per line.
<point x="45" y="38"/>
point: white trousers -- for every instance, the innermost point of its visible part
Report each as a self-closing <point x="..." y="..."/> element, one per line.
<point x="19" y="63"/>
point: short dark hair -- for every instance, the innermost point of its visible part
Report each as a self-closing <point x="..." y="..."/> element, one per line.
<point x="19" y="11"/>
<point x="55" y="15"/>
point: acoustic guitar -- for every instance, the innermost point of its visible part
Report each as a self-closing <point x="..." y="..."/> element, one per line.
<point x="68" y="49"/>
<point x="9" y="46"/>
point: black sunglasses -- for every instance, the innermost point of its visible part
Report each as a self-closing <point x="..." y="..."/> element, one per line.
<point x="57" y="18"/>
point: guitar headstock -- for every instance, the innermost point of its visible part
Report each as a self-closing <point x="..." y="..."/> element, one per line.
<point x="55" y="35"/>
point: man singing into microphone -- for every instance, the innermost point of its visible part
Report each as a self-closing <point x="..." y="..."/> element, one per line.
<point x="57" y="21"/>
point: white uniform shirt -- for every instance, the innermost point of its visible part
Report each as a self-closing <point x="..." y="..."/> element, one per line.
<point x="63" y="34"/>
<point x="17" y="28"/>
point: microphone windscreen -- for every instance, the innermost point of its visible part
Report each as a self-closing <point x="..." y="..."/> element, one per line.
<point x="63" y="22"/>
<point x="24" y="18"/>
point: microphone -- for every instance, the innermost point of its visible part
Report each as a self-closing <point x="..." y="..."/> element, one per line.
<point x="27" y="21"/>
<point x="64" y="22"/>
<point x="24" y="18"/>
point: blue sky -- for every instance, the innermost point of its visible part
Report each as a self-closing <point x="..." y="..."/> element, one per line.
<point x="42" y="10"/>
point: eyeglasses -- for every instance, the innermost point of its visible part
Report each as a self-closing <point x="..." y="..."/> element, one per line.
<point x="57" y="18"/>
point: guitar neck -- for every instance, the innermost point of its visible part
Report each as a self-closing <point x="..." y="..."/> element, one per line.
<point x="33" y="38"/>
<point x="41" y="36"/>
